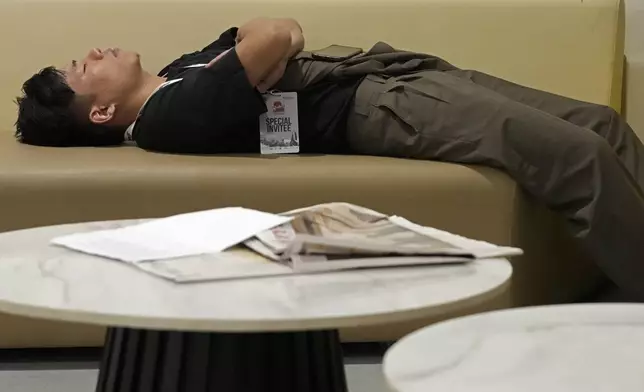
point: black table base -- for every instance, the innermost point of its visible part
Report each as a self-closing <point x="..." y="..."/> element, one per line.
<point x="153" y="361"/>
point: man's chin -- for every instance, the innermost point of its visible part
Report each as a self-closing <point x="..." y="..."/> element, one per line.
<point x="126" y="54"/>
<point x="132" y="58"/>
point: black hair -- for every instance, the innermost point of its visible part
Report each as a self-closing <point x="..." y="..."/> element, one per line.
<point x="50" y="114"/>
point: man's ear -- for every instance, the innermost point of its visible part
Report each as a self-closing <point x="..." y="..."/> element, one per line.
<point x="102" y="114"/>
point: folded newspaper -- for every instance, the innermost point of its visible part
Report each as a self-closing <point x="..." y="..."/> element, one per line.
<point x="325" y="237"/>
<point x="343" y="236"/>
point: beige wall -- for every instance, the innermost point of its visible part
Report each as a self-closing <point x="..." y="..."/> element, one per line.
<point x="635" y="65"/>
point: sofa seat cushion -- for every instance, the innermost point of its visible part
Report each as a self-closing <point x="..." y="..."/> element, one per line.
<point x="43" y="186"/>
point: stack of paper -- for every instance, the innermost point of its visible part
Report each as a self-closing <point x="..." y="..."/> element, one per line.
<point x="177" y="236"/>
<point x="242" y="243"/>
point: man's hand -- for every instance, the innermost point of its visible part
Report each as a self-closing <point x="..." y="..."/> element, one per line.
<point x="273" y="77"/>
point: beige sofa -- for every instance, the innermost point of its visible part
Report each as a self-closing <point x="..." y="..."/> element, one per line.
<point x="565" y="46"/>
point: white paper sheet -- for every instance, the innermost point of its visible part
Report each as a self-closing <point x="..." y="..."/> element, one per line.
<point x="176" y="236"/>
<point x="231" y="264"/>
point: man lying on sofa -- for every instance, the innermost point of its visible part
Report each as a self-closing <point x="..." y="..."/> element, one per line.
<point x="581" y="159"/>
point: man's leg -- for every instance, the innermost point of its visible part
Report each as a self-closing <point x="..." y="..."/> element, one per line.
<point x="438" y="116"/>
<point x="602" y="120"/>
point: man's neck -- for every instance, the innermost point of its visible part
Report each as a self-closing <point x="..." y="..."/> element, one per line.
<point x="148" y="84"/>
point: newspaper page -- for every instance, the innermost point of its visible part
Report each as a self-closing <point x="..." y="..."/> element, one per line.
<point x="341" y="235"/>
<point x="322" y="238"/>
<point x="235" y="263"/>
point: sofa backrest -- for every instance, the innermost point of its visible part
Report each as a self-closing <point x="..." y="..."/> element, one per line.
<point x="570" y="47"/>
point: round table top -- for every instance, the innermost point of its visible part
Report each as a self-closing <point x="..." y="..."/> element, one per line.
<point x="585" y="348"/>
<point x="47" y="281"/>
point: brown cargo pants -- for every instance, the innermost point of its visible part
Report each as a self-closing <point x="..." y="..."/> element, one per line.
<point x="582" y="160"/>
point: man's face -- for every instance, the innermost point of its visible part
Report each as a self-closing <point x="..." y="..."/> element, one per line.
<point x="107" y="76"/>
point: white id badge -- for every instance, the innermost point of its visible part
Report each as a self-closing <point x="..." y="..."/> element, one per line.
<point x="279" y="131"/>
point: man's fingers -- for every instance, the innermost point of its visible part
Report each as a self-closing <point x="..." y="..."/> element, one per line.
<point x="262" y="87"/>
<point x="213" y="61"/>
<point x="274" y="76"/>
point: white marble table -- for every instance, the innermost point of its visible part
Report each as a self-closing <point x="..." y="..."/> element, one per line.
<point x="568" y="348"/>
<point x="248" y="335"/>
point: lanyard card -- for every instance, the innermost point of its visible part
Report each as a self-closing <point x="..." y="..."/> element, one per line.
<point x="279" y="128"/>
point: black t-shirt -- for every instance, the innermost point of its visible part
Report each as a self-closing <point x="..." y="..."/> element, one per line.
<point x="216" y="109"/>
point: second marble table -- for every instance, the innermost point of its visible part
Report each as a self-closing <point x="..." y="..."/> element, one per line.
<point x="568" y="348"/>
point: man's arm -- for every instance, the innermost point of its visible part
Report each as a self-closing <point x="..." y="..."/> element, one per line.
<point x="297" y="36"/>
<point x="297" y="45"/>
<point x="263" y="44"/>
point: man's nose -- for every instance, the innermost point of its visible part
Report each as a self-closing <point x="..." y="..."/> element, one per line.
<point x="95" y="54"/>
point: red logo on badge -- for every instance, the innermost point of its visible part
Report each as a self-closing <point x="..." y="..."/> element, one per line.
<point x="278" y="107"/>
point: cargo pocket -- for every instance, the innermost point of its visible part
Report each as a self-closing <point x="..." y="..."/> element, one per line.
<point x="395" y="116"/>
<point x="408" y="117"/>
<point x="412" y="100"/>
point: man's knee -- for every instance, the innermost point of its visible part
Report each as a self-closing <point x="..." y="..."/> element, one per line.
<point x="592" y="147"/>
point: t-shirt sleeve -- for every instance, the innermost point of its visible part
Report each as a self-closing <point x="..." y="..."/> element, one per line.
<point x="225" y="85"/>
<point x="207" y="112"/>
<point x="226" y="40"/>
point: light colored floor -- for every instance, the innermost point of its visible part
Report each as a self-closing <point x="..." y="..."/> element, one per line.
<point x="361" y="378"/>
<point x="364" y="374"/>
